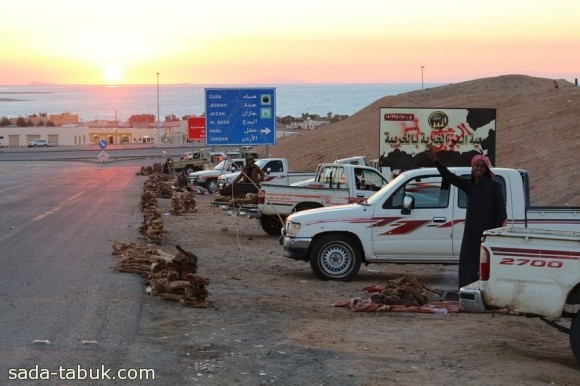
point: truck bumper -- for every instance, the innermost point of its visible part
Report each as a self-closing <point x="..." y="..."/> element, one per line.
<point x="471" y="299"/>
<point x="295" y="248"/>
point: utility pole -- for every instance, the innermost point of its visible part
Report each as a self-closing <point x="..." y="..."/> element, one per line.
<point x="158" y="117"/>
<point x="422" y="67"/>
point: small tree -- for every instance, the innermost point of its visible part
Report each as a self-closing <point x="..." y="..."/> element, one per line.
<point x="5" y="122"/>
<point x="50" y="123"/>
<point x="21" y="122"/>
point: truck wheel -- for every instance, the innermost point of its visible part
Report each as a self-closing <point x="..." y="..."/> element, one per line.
<point x="211" y="185"/>
<point x="335" y="257"/>
<point x="575" y="336"/>
<point x="271" y="225"/>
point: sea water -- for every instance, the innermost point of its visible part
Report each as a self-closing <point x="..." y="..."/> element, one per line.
<point x="120" y="102"/>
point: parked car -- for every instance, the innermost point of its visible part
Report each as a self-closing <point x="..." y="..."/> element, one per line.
<point x="41" y="143"/>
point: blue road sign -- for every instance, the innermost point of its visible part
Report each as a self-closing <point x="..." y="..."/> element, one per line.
<point x="102" y="144"/>
<point x="240" y="116"/>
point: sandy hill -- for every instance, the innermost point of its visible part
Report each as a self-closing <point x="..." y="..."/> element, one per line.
<point x="538" y="129"/>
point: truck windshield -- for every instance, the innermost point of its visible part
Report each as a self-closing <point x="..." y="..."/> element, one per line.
<point x="372" y="200"/>
<point x="222" y="165"/>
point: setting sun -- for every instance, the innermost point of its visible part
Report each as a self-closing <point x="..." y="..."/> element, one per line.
<point x="300" y="41"/>
<point x="112" y="74"/>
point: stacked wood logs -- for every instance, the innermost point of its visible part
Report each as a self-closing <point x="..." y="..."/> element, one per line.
<point x="250" y="198"/>
<point x="148" y="170"/>
<point x="182" y="202"/>
<point x="247" y="198"/>
<point x="148" y="200"/>
<point x="152" y="226"/>
<point x="161" y="184"/>
<point x="406" y="290"/>
<point x="169" y="277"/>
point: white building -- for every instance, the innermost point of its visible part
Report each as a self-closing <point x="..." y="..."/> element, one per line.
<point x="72" y="135"/>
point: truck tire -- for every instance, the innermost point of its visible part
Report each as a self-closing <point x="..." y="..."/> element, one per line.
<point x="335" y="256"/>
<point x="271" y="225"/>
<point x="190" y="169"/>
<point x="575" y="336"/>
<point x="211" y="185"/>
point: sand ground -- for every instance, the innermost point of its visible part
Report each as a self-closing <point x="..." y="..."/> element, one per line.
<point x="271" y="323"/>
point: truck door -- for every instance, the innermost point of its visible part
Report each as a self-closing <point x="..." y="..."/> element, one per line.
<point x="420" y="233"/>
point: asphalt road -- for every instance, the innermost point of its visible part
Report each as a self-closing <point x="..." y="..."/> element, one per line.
<point x="90" y="152"/>
<point x="61" y="304"/>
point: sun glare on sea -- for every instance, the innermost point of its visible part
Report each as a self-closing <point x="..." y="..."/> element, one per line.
<point x="112" y="75"/>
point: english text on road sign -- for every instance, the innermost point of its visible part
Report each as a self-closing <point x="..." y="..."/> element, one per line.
<point x="240" y="116"/>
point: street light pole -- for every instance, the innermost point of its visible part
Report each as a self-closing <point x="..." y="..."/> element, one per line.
<point x="422" y="67"/>
<point x="158" y="135"/>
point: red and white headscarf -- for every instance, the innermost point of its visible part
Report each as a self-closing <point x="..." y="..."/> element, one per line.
<point x="481" y="157"/>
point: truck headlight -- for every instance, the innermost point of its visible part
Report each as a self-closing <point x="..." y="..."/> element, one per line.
<point x="292" y="228"/>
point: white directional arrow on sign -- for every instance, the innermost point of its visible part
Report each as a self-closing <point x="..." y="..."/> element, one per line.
<point x="265" y="131"/>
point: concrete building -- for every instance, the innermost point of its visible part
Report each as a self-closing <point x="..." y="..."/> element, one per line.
<point x="87" y="134"/>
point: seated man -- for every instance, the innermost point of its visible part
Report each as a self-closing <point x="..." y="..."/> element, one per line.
<point x="251" y="173"/>
<point x="248" y="181"/>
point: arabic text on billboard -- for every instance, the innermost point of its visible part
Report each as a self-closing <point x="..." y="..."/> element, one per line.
<point x="456" y="133"/>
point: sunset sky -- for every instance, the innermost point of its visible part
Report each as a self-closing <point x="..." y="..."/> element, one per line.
<point x="294" y="41"/>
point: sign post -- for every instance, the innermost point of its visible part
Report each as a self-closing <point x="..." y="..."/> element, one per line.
<point x="103" y="156"/>
<point x="240" y="116"/>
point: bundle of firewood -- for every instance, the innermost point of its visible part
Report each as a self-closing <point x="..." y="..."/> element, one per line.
<point x="148" y="200"/>
<point x="148" y="170"/>
<point x="220" y="198"/>
<point x="152" y="226"/>
<point x="161" y="184"/>
<point x="169" y="277"/>
<point x="250" y="198"/>
<point x="247" y="198"/>
<point x="138" y="258"/>
<point x="182" y="202"/>
<point x="406" y="290"/>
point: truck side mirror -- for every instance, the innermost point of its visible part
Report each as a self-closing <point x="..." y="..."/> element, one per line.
<point x="268" y="170"/>
<point x="408" y="204"/>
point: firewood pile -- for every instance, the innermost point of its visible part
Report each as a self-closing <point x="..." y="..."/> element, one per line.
<point x="248" y="198"/>
<point x="148" y="200"/>
<point x="182" y="202"/>
<point x="171" y="278"/>
<point x="161" y="184"/>
<point x="149" y="170"/>
<point x="405" y="294"/>
<point x="152" y="226"/>
<point x="406" y="290"/>
<point x="251" y="198"/>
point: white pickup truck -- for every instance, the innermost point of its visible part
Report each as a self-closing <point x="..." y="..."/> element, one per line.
<point x="333" y="184"/>
<point x="277" y="172"/>
<point x="209" y="178"/>
<point x="416" y="218"/>
<point x="532" y="271"/>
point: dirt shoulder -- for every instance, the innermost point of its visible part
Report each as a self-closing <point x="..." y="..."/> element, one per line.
<point x="271" y="322"/>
